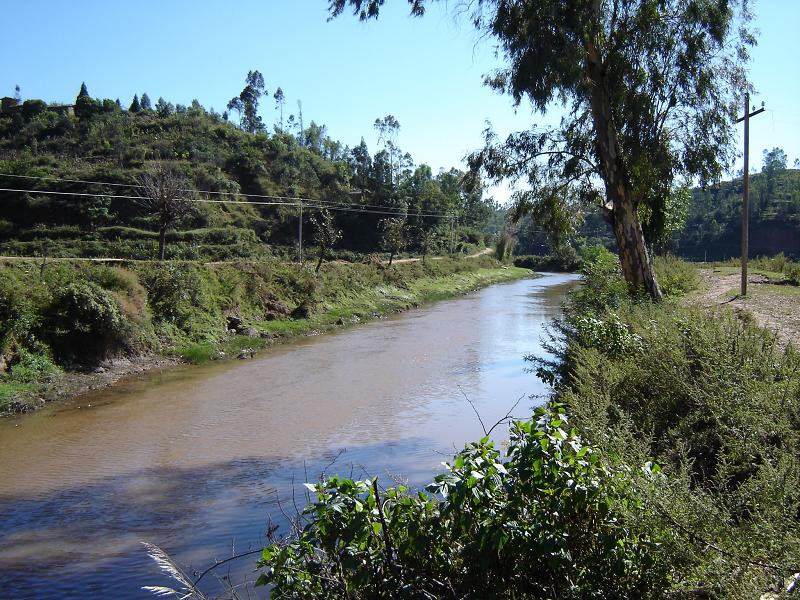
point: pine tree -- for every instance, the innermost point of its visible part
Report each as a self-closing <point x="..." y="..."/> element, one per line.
<point x="85" y="107"/>
<point x="145" y="102"/>
<point x="135" y="107"/>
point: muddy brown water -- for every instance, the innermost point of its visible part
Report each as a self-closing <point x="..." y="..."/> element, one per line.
<point x="198" y="459"/>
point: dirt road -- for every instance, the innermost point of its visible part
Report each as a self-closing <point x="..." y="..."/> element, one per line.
<point x="772" y="304"/>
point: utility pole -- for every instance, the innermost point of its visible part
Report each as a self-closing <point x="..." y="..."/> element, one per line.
<point x="452" y="232"/>
<point x="300" y="231"/>
<point x="746" y="188"/>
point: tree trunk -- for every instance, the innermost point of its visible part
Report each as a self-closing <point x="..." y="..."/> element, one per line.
<point x="319" y="262"/>
<point x="391" y="256"/>
<point x="634" y="257"/>
<point x="162" y="243"/>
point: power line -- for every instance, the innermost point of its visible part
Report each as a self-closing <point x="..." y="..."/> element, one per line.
<point x="283" y="199"/>
<point x="309" y="203"/>
<point x="122" y="197"/>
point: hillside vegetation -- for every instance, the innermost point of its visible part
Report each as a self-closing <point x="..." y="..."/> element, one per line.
<point x="55" y="148"/>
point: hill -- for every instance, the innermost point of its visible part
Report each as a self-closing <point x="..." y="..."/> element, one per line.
<point x="78" y="166"/>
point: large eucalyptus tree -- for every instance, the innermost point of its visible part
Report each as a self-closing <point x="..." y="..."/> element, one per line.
<point x="649" y="89"/>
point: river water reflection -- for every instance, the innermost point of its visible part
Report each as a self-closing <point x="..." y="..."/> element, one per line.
<point x="196" y="459"/>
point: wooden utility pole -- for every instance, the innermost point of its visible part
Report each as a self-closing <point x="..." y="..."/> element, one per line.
<point x="300" y="231"/>
<point x="746" y="188"/>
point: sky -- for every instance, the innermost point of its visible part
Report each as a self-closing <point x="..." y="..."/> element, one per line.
<point x="427" y="72"/>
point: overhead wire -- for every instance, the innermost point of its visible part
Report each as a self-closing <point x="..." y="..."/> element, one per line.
<point x="306" y="202"/>
<point x="354" y="207"/>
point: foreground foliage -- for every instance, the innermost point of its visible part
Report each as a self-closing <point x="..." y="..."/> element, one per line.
<point x="550" y="518"/>
<point x="715" y="400"/>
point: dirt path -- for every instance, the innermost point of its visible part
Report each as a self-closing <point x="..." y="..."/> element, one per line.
<point x="417" y="259"/>
<point x="773" y="305"/>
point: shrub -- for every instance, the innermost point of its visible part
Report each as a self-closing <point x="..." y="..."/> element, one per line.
<point x="551" y="519"/>
<point x="566" y="260"/>
<point x="181" y="297"/>
<point x="793" y="273"/>
<point x="28" y="367"/>
<point x="603" y="287"/>
<point x="14" y="311"/>
<point x="714" y="401"/>
<point x="84" y="320"/>
<point x="504" y="246"/>
<point x="675" y="276"/>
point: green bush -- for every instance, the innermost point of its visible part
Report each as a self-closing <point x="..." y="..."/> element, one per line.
<point x="178" y="295"/>
<point x="85" y="321"/>
<point x="14" y="311"/>
<point x="566" y="260"/>
<point x="28" y="367"/>
<point x="550" y="519"/>
<point x="793" y="273"/>
<point x="675" y="276"/>
<point x="603" y="287"/>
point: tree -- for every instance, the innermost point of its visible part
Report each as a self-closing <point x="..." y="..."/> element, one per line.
<point x="164" y="195"/>
<point x="428" y="242"/>
<point x="280" y="100"/>
<point x="325" y="234"/>
<point x="650" y="91"/>
<point x="388" y="128"/>
<point x="775" y="162"/>
<point x="394" y="236"/>
<point x="85" y="107"/>
<point x="96" y="210"/>
<point x="135" y="107"/>
<point x="246" y="104"/>
<point x="164" y="108"/>
<point x="145" y="102"/>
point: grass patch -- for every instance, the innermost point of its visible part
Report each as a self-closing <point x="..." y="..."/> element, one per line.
<point x="10" y="391"/>
<point x="196" y="354"/>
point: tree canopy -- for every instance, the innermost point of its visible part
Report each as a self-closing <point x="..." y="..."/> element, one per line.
<point x="649" y="90"/>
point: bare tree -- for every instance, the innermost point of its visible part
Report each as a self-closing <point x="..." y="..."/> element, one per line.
<point x="325" y="234"/>
<point x="164" y="195"/>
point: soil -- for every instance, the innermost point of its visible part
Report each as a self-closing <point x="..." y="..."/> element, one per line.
<point x="772" y="304"/>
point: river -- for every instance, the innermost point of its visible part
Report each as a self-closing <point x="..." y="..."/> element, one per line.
<point x="198" y="459"/>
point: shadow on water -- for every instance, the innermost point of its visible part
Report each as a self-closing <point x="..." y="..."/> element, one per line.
<point x="85" y="541"/>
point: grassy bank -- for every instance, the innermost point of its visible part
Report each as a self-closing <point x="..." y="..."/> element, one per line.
<point x="711" y="397"/>
<point x="62" y="321"/>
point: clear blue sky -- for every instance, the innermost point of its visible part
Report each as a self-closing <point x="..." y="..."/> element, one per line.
<point x="426" y="72"/>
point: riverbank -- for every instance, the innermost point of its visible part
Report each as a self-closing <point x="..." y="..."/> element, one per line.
<point x="664" y="465"/>
<point x="68" y="328"/>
